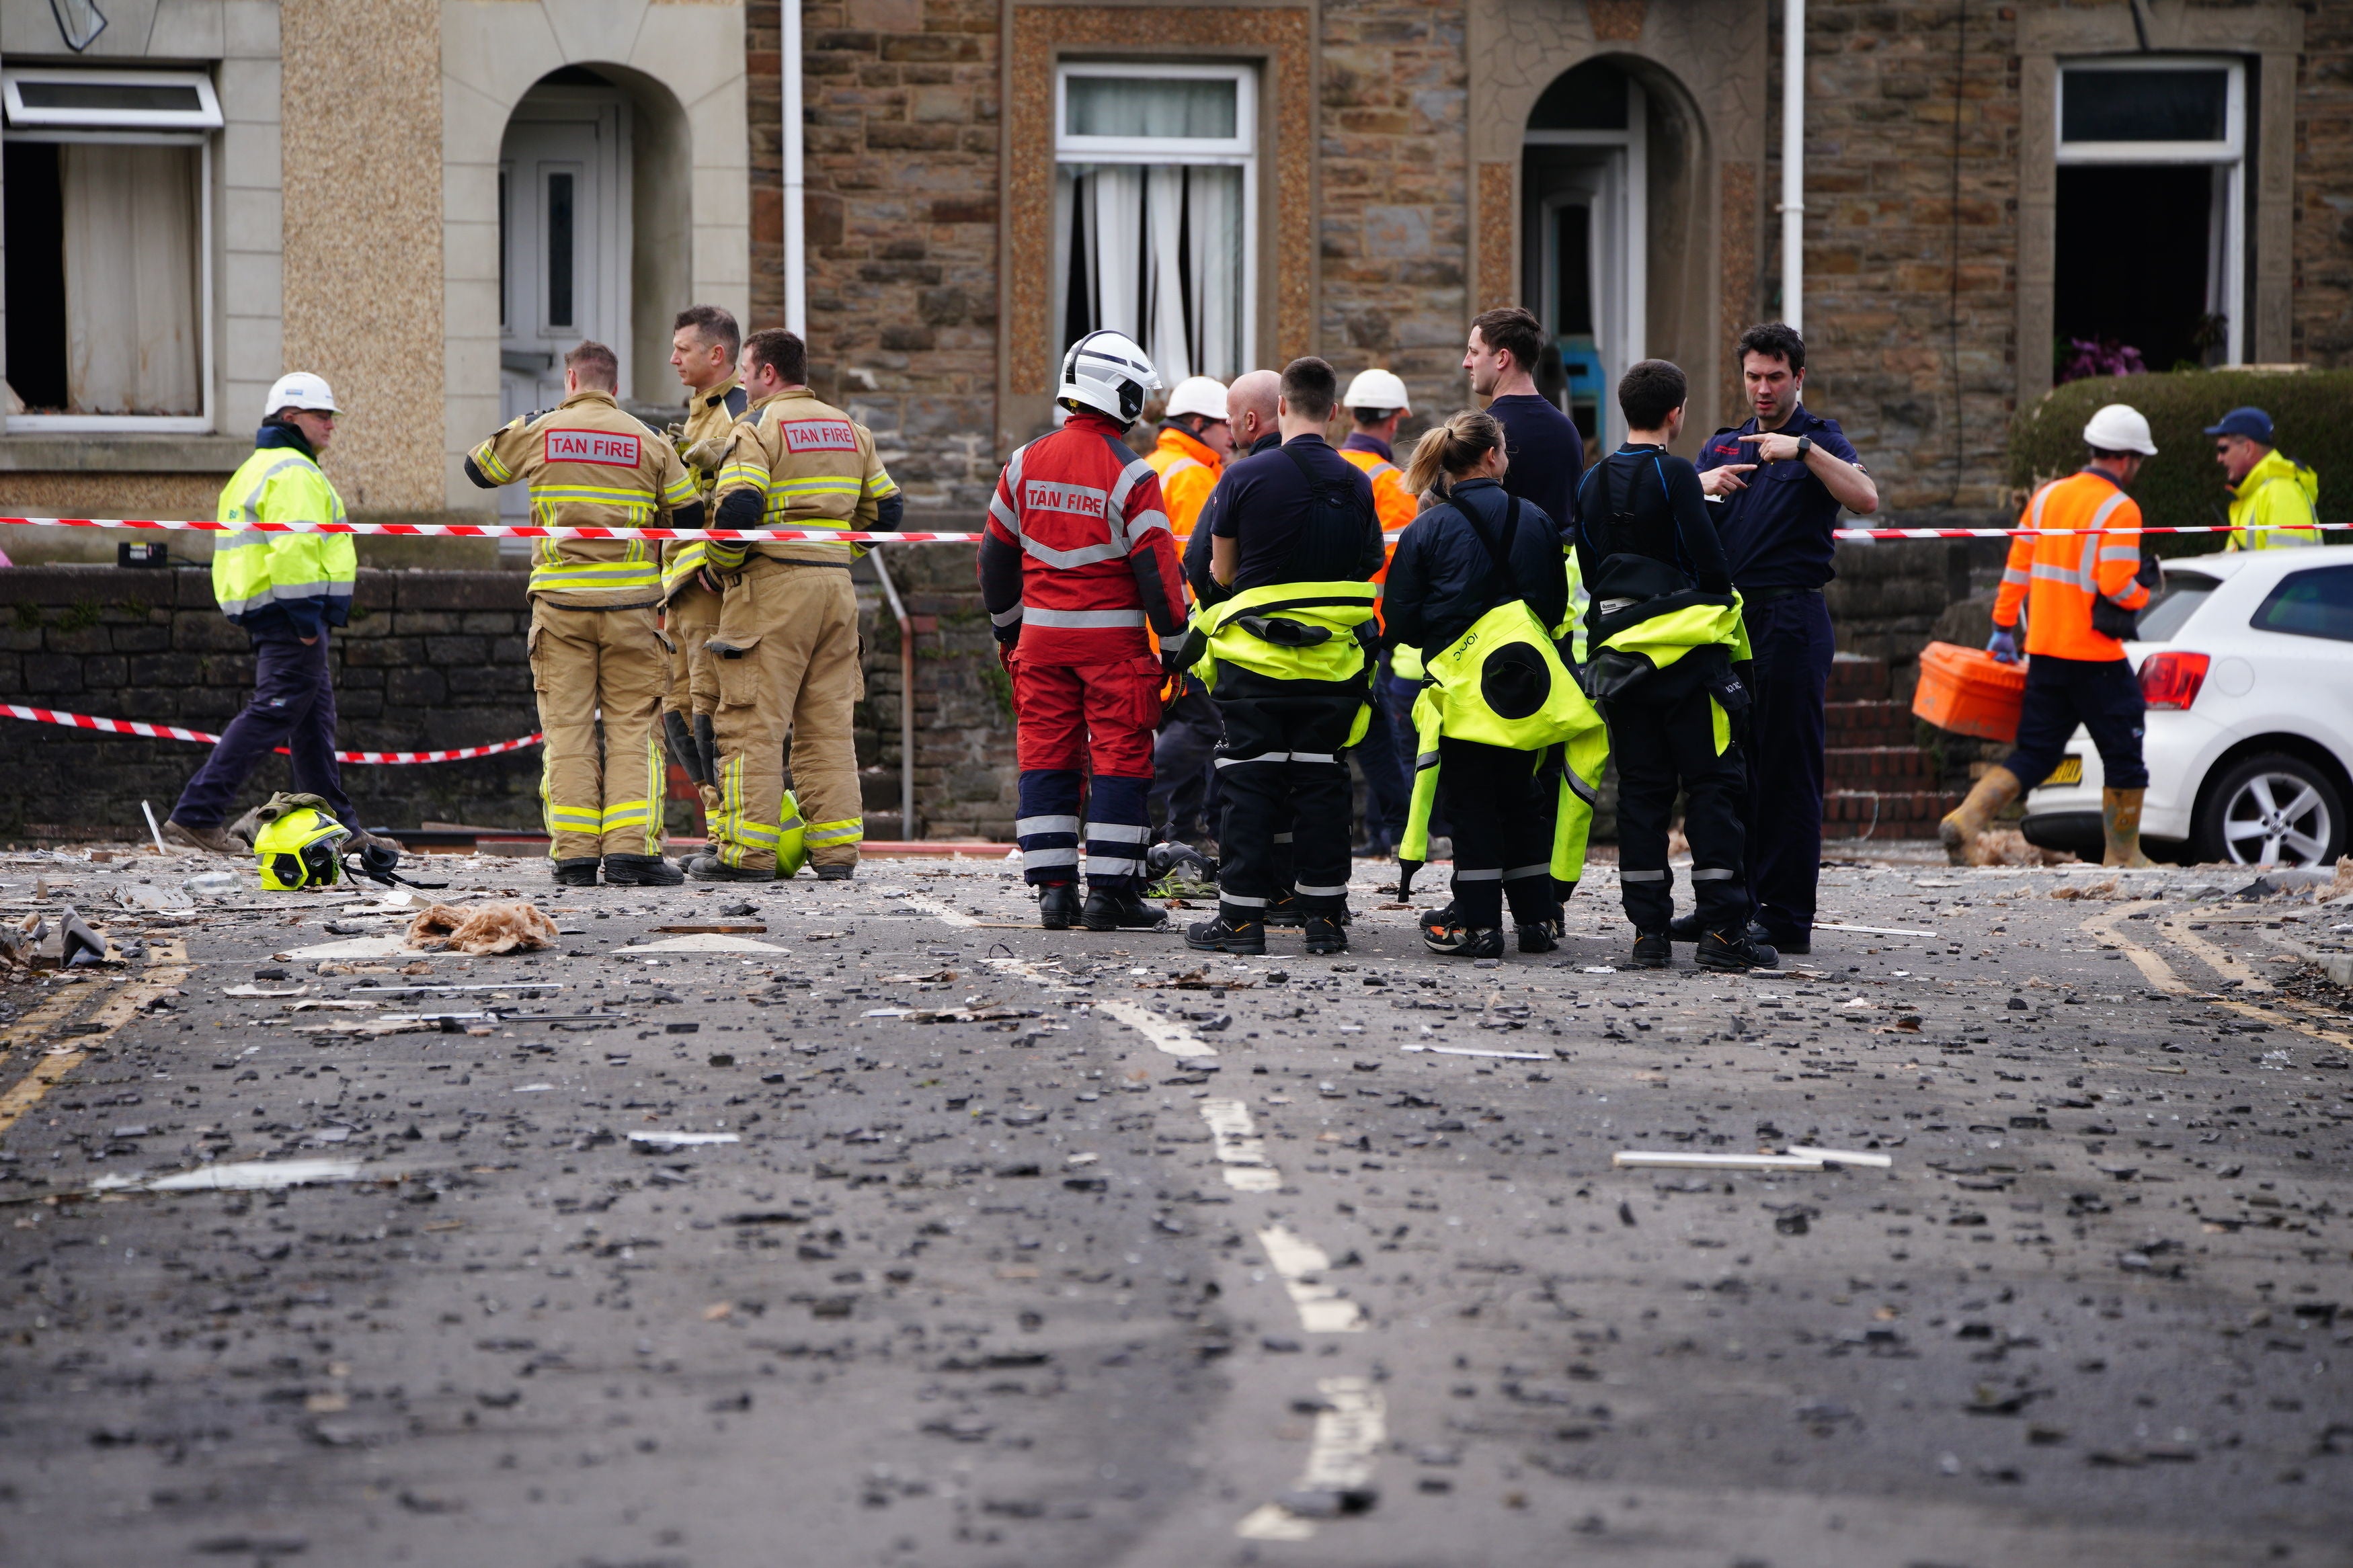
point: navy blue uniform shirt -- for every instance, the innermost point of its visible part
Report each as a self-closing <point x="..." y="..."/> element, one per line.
<point x="1547" y="455"/>
<point x="1776" y="532"/>
<point x="1263" y="504"/>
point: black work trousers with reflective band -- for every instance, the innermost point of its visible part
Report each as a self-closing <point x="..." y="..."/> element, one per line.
<point x="1503" y="831"/>
<point x="1282" y="775"/>
<point x="1660" y="748"/>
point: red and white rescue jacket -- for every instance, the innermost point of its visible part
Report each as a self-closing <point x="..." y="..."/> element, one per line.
<point x="1077" y="558"/>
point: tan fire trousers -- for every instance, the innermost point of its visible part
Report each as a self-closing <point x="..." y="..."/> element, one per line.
<point x="786" y="657"/>
<point x="693" y="617"/>
<point x="585" y="663"/>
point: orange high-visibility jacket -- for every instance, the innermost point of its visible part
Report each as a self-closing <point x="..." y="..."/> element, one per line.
<point x="1189" y="471"/>
<point x="2057" y="576"/>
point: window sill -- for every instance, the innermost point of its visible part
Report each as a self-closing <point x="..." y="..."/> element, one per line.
<point x="22" y="452"/>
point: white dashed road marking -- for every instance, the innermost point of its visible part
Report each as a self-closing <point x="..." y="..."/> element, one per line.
<point x="1171" y="1040"/>
<point x="1240" y="1148"/>
<point x="1349" y="1431"/>
<point x="1321" y="1308"/>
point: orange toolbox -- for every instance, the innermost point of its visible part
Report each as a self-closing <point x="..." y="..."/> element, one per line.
<point x="1970" y="691"/>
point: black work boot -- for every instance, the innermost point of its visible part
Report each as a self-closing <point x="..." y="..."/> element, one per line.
<point x="1735" y="950"/>
<point x="1684" y="928"/>
<point x="834" y="871"/>
<point x="1283" y="910"/>
<point x="679" y="739"/>
<point x="1058" y="905"/>
<point x="711" y="868"/>
<point x="640" y="871"/>
<point x="1125" y="910"/>
<point x="577" y="873"/>
<point x="1652" y="950"/>
<point x="1456" y="940"/>
<point x="1327" y="933"/>
<point x="1539" y="936"/>
<point x="1243" y="938"/>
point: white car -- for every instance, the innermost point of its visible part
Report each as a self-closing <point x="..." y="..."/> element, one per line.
<point x="2246" y="660"/>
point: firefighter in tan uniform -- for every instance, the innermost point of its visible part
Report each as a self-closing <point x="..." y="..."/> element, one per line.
<point x="595" y="650"/>
<point x="704" y="343"/>
<point x="786" y="651"/>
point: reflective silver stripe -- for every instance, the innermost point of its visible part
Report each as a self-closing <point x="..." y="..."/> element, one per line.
<point x="1712" y="874"/>
<point x="1261" y="757"/>
<point x="1117" y="832"/>
<point x="1006" y="617"/>
<point x="1026" y="825"/>
<point x="1515" y="873"/>
<point x="1585" y="791"/>
<point x="1463" y="876"/>
<point x="1041" y="857"/>
<point x="1145" y="520"/>
<point x="2067" y="574"/>
<point x="1309" y="890"/>
<point x="1064" y="560"/>
<point x="2012" y="574"/>
<point x="1240" y="900"/>
<point x="1111" y="866"/>
<point x="1004" y="514"/>
<point x="1283" y="837"/>
<point x="1314" y="757"/>
<point x="1641" y="876"/>
<point x="1134" y="474"/>
<point x="1083" y="619"/>
<point x="1429" y="760"/>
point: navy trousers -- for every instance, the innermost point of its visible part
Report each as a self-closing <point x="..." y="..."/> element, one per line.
<point x="1387" y="786"/>
<point x="293" y="705"/>
<point x="1184" y="777"/>
<point x="1793" y="645"/>
<point x="2101" y="694"/>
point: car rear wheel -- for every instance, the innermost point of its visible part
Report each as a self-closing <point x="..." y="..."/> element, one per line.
<point x="2273" y="809"/>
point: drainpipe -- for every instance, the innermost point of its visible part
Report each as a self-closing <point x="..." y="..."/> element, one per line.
<point x="1793" y="164"/>
<point x="795" y="228"/>
<point x="906" y="693"/>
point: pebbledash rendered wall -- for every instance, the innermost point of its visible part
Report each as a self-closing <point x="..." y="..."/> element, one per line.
<point x="432" y="660"/>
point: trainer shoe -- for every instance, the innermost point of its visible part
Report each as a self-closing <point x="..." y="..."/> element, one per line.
<point x="640" y="871"/>
<point x="711" y="868"/>
<point x="1123" y="910"/>
<point x="1245" y="939"/>
<point x="1058" y="905"/>
<point x="577" y="873"/>
<point x="1327" y="933"/>
<point x="1735" y="950"/>
<point x="1652" y="950"/>
<point x="211" y="840"/>
<point x="1539" y="936"/>
<point x="1455" y="940"/>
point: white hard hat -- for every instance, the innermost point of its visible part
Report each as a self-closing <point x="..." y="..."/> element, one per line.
<point x="1202" y="394"/>
<point x="299" y="389"/>
<point x="2119" y="427"/>
<point x="1110" y="373"/>
<point x="1376" y="389"/>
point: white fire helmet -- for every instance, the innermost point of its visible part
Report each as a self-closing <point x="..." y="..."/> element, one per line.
<point x="1381" y="389"/>
<point x="1107" y="372"/>
<point x="1202" y="394"/>
<point x="2120" y="427"/>
<point x="299" y="389"/>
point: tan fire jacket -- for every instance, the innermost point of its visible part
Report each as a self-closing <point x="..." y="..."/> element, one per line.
<point x="709" y="414"/>
<point x="589" y="465"/>
<point x="813" y="466"/>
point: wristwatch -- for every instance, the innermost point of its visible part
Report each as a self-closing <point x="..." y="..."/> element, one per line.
<point x="1805" y="445"/>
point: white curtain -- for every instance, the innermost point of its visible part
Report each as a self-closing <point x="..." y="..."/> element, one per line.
<point x="132" y="231"/>
<point x="1154" y="251"/>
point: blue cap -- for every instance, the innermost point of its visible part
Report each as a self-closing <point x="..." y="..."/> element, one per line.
<point x="2252" y="423"/>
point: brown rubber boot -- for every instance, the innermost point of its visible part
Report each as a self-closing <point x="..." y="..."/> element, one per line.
<point x="212" y="840"/>
<point x="2120" y="822"/>
<point x="1962" y="827"/>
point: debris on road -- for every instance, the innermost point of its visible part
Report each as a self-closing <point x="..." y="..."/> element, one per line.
<point x="481" y="929"/>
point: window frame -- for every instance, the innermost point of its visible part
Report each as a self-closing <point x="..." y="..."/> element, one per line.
<point x="2228" y="154"/>
<point x="1240" y="151"/>
<point x="133" y="128"/>
<point x="207" y="116"/>
<point x="2272" y="594"/>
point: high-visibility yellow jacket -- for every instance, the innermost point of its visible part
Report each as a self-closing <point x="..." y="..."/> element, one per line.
<point x="708" y="414"/>
<point x="2276" y="497"/>
<point x="813" y="466"/>
<point x="1189" y="471"/>
<point x="2056" y="576"/>
<point x="589" y="465"/>
<point x="282" y="583"/>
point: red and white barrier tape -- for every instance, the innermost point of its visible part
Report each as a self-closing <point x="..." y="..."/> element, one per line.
<point x="174" y="732"/>
<point x="837" y="536"/>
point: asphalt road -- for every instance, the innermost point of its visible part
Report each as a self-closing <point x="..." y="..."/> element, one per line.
<point x="998" y="1247"/>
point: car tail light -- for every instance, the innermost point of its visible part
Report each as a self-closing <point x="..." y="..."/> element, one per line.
<point x="2170" y="680"/>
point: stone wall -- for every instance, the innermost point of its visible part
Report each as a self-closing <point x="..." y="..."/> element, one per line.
<point x="2324" y="185"/>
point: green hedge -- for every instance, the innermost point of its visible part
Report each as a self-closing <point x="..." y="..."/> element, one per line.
<point x="2312" y="411"/>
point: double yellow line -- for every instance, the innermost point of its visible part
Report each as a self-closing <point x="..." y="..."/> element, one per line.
<point x="2296" y="1014"/>
<point x="167" y="966"/>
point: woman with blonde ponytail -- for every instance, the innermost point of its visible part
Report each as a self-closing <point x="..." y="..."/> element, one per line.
<point x="1474" y="552"/>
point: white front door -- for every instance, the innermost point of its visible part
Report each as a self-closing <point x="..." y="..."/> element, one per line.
<point x="564" y="198"/>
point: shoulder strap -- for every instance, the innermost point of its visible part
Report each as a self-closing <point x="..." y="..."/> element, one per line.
<point x="1317" y="487"/>
<point x="1499" y="575"/>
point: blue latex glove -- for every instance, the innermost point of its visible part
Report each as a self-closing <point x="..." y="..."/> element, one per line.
<point x="2003" y="645"/>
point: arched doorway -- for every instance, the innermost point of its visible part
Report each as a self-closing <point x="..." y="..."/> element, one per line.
<point x="1585" y="189"/>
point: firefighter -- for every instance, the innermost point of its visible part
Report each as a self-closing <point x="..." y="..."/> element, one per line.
<point x="286" y="590"/>
<point x="1195" y="441"/>
<point x="1479" y="579"/>
<point x="703" y="344"/>
<point x="785" y="654"/>
<point x="1376" y="401"/>
<point x="1075" y="564"/>
<point x="595" y="651"/>
<point x="1665" y="628"/>
<point x="2272" y="494"/>
<point x="1282" y="564"/>
<point x="2080" y="593"/>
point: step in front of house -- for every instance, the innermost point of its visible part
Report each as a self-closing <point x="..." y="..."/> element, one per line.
<point x="1874" y="723"/>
